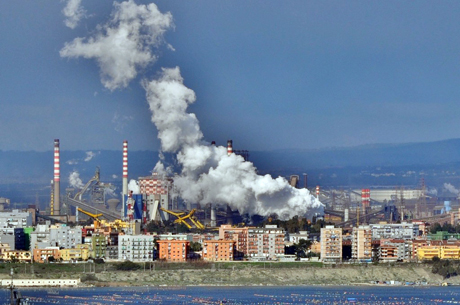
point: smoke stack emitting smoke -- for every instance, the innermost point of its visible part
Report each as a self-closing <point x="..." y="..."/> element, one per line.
<point x="209" y="174"/>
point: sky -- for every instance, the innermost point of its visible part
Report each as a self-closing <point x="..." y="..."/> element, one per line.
<point x="266" y="74"/>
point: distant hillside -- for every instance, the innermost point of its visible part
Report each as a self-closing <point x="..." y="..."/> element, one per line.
<point x="367" y="164"/>
<point x="429" y="153"/>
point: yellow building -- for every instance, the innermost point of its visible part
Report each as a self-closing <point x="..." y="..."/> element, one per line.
<point x="20" y="255"/>
<point x="75" y="254"/>
<point x="450" y="252"/>
<point x="428" y="252"/>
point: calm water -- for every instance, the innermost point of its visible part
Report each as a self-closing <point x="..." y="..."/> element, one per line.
<point x="244" y="295"/>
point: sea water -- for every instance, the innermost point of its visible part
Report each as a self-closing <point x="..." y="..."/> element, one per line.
<point x="244" y="295"/>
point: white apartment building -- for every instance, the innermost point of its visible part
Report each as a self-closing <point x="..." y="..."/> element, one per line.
<point x="265" y="243"/>
<point x="40" y="238"/>
<point x="136" y="248"/>
<point x="296" y="237"/>
<point x="331" y="244"/>
<point x="15" y="219"/>
<point x="361" y="246"/>
<point x="65" y="237"/>
<point x="406" y="231"/>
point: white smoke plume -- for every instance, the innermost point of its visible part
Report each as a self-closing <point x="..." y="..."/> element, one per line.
<point x="72" y="162"/>
<point x="208" y="174"/>
<point x="110" y="192"/>
<point x="123" y="44"/>
<point x="90" y="155"/>
<point x="75" y="181"/>
<point x="451" y="188"/>
<point x="133" y="186"/>
<point x="73" y="12"/>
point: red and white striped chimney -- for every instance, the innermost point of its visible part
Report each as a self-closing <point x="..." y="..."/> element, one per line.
<point x="125" y="176"/>
<point x="317" y="191"/>
<point x="229" y="147"/>
<point x="57" y="178"/>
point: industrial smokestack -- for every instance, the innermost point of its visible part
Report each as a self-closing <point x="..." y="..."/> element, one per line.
<point x="125" y="177"/>
<point x="57" y="178"/>
<point x="229" y="147"/>
<point x="213" y="215"/>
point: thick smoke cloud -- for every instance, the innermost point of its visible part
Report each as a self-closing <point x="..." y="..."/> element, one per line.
<point x="73" y="12"/>
<point x="123" y="45"/>
<point x="208" y="174"/>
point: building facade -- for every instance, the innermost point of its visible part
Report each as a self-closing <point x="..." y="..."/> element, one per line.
<point x="173" y="250"/>
<point x="331" y="244"/>
<point x="218" y="250"/>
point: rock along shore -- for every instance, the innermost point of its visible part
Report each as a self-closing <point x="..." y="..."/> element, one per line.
<point x="343" y="275"/>
<point x="260" y="275"/>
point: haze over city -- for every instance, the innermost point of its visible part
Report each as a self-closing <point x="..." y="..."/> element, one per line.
<point x="296" y="74"/>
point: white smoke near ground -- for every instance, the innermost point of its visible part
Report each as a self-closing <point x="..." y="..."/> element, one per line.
<point x="432" y="191"/>
<point x="208" y="174"/>
<point x="114" y="176"/>
<point x="123" y="45"/>
<point x="90" y="155"/>
<point x="73" y="11"/>
<point x="133" y="186"/>
<point x="75" y="181"/>
<point x="449" y="187"/>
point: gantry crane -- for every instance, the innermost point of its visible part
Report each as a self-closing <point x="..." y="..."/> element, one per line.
<point x="183" y="216"/>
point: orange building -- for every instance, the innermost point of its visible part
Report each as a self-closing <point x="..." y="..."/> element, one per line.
<point x="173" y="250"/>
<point x="239" y="236"/>
<point x="218" y="250"/>
<point x="41" y="255"/>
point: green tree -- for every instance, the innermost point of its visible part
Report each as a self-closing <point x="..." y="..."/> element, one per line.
<point x="195" y="246"/>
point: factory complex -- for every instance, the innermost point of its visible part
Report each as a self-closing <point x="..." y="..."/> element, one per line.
<point x="360" y="225"/>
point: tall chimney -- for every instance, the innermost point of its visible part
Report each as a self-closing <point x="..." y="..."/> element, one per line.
<point x="213" y="215"/>
<point x="229" y="147"/>
<point x="57" y="178"/>
<point x="125" y="177"/>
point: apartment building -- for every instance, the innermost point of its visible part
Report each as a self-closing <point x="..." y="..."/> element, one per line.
<point x="173" y="250"/>
<point x="361" y="244"/>
<point x="440" y="251"/>
<point x="19" y="255"/>
<point x="15" y="219"/>
<point x="392" y="250"/>
<point x="136" y="248"/>
<point x="239" y="236"/>
<point x="331" y="244"/>
<point x="75" y="254"/>
<point x="218" y="250"/>
<point x="63" y="236"/>
<point x="265" y="243"/>
<point x="42" y="255"/>
<point x="406" y="231"/>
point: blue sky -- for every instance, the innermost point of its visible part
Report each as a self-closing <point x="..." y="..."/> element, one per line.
<point x="267" y="74"/>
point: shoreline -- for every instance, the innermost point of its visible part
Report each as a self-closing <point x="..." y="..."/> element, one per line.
<point x="251" y="275"/>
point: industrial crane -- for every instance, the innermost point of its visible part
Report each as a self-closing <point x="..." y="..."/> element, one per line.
<point x="97" y="220"/>
<point x="183" y="216"/>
